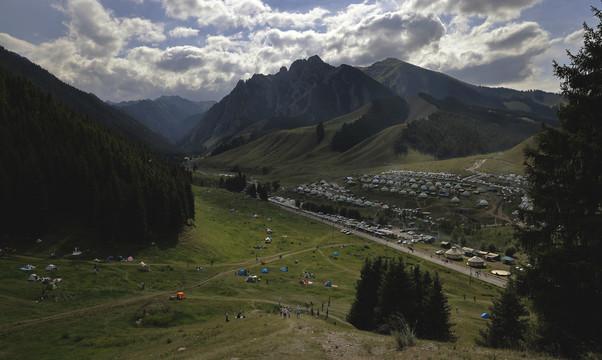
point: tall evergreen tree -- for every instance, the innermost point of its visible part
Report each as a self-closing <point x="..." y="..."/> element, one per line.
<point x="563" y="232"/>
<point x="396" y="294"/>
<point x="361" y="314"/>
<point x="507" y="326"/>
<point x="437" y="325"/>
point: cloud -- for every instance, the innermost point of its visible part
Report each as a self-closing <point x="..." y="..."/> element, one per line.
<point x="183" y="32"/>
<point x="123" y="58"/>
<point x="16" y="45"/>
<point x="493" y="10"/>
<point x="248" y="14"/>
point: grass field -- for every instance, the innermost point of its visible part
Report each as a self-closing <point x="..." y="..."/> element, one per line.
<point x="97" y="316"/>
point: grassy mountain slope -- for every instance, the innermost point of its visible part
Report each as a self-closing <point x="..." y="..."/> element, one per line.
<point x="98" y="317"/>
<point x="296" y="153"/>
<point x="309" y="92"/>
<point x="85" y="103"/>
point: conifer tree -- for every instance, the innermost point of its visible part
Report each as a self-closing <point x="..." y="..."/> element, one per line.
<point x="437" y="325"/>
<point x="507" y="326"/>
<point x="396" y="294"/>
<point x="361" y="314"/>
<point x="563" y="229"/>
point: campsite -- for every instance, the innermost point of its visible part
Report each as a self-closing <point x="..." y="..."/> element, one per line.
<point x="108" y="314"/>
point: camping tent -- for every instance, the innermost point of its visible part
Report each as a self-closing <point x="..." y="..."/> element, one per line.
<point x="242" y="272"/>
<point x="453" y="254"/>
<point x="482" y="203"/>
<point x="476" y="262"/>
<point x="251" y="278"/>
<point x="336" y="254"/>
<point x="264" y="271"/>
<point x="130" y="258"/>
<point x="328" y="283"/>
<point x="111" y="258"/>
<point x="33" y="277"/>
<point x="283" y="268"/>
<point x="485" y="316"/>
<point x="28" y="267"/>
<point x="51" y="267"/>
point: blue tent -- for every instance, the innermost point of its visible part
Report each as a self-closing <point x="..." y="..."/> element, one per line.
<point x="485" y="316"/>
<point x="336" y="254"/>
<point x="328" y="283"/>
<point x="265" y="271"/>
<point x="242" y="272"/>
<point x="111" y="258"/>
<point x="283" y="269"/>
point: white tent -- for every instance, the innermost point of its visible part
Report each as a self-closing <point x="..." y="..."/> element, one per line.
<point x="476" y="261"/>
<point x="453" y="254"/>
<point x="455" y="199"/>
<point x="51" y="267"/>
<point x="483" y="203"/>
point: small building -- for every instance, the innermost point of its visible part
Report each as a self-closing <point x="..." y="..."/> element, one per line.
<point x="445" y="244"/>
<point x="468" y="251"/>
<point x="475" y="262"/>
<point x="492" y="257"/>
<point x="453" y="254"/>
<point x="508" y="260"/>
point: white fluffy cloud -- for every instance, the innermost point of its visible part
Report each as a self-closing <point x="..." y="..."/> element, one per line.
<point x="121" y="58"/>
<point x="183" y="32"/>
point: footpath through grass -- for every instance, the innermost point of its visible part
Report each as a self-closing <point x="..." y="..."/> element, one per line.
<point x="109" y="314"/>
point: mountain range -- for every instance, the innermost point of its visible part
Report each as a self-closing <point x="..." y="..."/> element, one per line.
<point x="340" y="109"/>
<point x="170" y="116"/>
<point x="86" y="103"/>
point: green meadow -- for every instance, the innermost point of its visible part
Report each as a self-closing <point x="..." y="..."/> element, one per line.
<point x="109" y="315"/>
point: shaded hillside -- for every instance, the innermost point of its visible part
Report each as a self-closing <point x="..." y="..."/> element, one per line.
<point x="86" y="103"/>
<point x="170" y="116"/>
<point x="383" y="114"/>
<point x="459" y="129"/>
<point x="408" y="80"/>
<point x="310" y="92"/>
<point x="57" y="165"/>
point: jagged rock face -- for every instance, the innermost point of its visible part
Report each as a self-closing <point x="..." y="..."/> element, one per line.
<point x="308" y="92"/>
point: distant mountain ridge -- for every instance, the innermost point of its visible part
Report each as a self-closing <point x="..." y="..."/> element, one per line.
<point x="86" y="103"/>
<point x="309" y="92"/>
<point x="170" y="116"/>
<point x="408" y="80"/>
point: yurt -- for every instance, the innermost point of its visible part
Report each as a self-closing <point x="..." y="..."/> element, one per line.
<point x="455" y="200"/>
<point x="476" y="262"/>
<point x="453" y="254"/>
<point x="483" y="203"/>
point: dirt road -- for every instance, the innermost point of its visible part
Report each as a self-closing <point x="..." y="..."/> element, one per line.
<point x="459" y="267"/>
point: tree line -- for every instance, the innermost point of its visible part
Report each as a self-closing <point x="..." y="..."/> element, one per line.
<point x="562" y="232"/>
<point x="388" y="291"/>
<point x="56" y="163"/>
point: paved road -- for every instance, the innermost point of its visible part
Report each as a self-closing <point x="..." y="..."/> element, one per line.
<point x="464" y="269"/>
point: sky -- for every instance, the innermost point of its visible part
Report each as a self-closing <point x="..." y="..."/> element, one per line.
<point x="199" y="49"/>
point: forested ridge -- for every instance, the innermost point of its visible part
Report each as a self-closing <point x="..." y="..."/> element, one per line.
<point x="459" y="129"/>
<point x="57" y="163"/>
